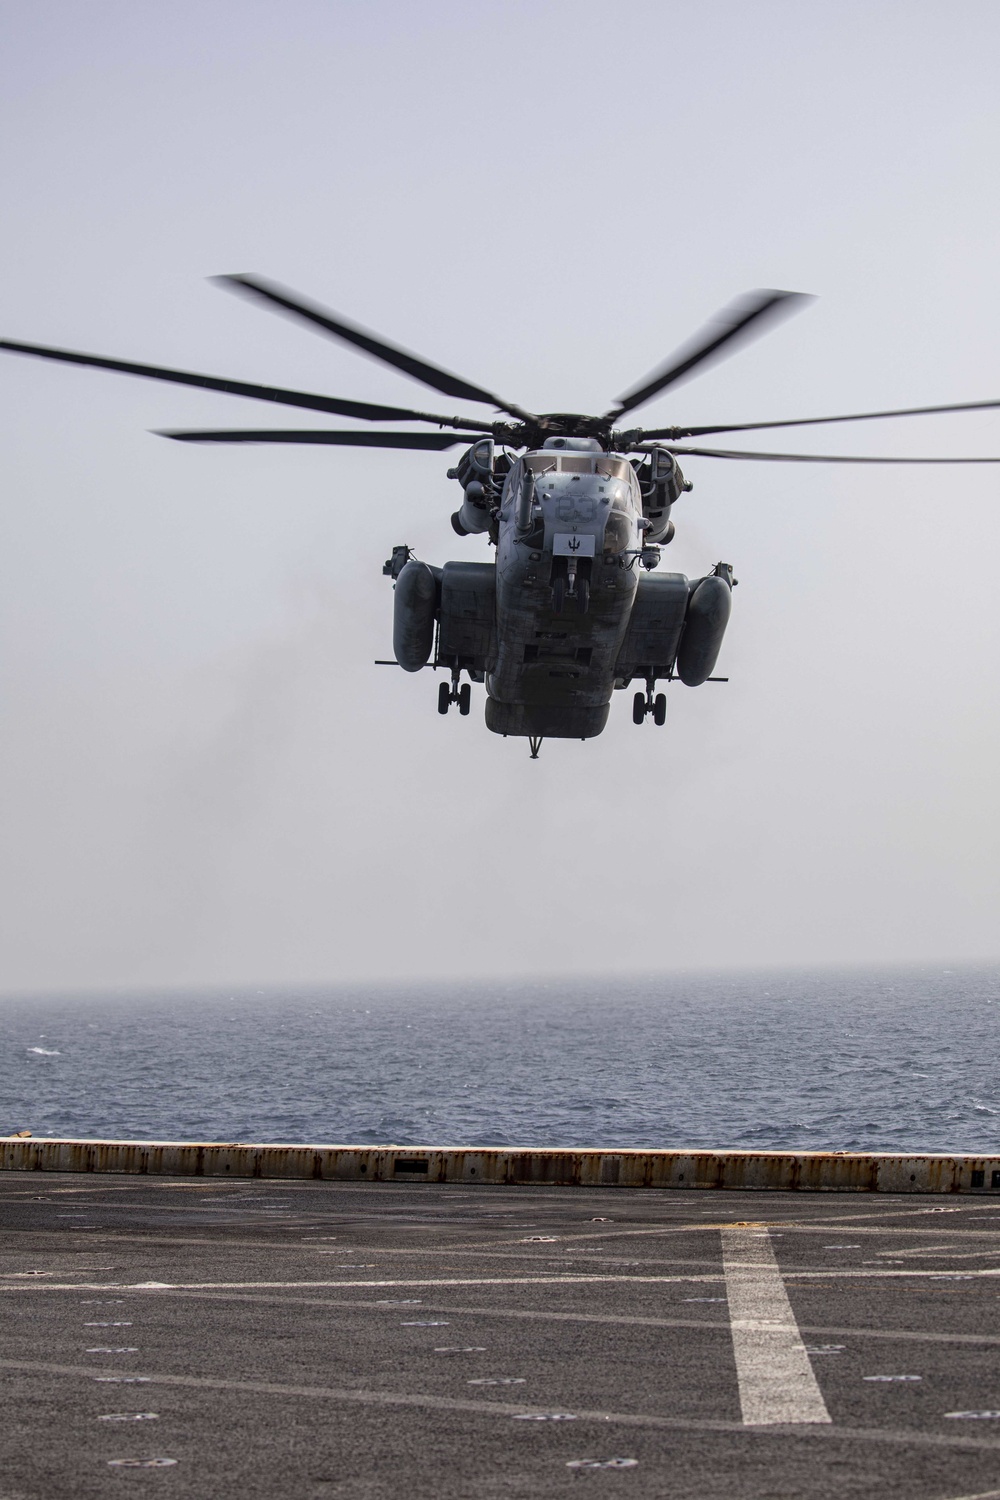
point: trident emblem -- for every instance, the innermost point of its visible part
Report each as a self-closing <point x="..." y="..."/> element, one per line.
<point x="574" y="544"/>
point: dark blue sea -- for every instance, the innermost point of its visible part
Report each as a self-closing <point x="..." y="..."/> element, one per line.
<point x="889" y="1059"/>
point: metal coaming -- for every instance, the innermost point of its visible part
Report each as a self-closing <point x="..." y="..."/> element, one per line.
<point x="805" y="1171"/>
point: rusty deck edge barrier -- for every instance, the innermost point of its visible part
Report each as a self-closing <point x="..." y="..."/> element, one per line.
<point x="782" y="1171"/>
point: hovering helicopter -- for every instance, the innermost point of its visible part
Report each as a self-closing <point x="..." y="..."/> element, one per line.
<point x="570" y="610"/>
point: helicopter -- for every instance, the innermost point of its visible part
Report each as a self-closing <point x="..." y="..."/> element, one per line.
<point x="577" y="507"/>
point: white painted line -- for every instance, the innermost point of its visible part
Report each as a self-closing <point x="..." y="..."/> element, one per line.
<point x="562" y="1279"/>
<point x="904" y="1438"/>
<point x="775" y="1375"/>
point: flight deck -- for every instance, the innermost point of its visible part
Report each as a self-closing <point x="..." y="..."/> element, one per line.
<point x="249" y="1338"/>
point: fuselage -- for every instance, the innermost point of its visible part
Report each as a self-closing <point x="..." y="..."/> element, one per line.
<point x="572" y="608"/>
<point x="570" y="529"/>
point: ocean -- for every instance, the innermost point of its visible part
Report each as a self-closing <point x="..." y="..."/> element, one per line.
<point x="887" y="1059"/>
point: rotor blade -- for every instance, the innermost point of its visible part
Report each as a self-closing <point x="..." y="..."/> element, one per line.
<point x="363" y="409"/>
<point x="410" y="364"/>
<point x="858" y="416"/>
<point x="364" y="439"/>
<point x="820" y="458"/>
<point x="744" y="319"/>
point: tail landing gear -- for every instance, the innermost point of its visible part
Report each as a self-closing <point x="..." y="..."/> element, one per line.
<point x="645" y="703"/>
<point x="450" y="692"/>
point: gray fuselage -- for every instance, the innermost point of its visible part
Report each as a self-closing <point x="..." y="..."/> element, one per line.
<point x="577" y="514"/>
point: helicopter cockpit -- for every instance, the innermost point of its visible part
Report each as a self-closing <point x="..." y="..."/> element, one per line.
<point x="602" y="464"/>
<point x="579" y="485"/>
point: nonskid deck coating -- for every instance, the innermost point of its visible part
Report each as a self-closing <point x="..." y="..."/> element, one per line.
<point x="306" y="1338"/>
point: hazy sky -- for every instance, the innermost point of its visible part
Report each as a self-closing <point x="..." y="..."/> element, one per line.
<point x="203" y="776"/>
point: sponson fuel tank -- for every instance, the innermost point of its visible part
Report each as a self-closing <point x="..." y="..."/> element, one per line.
<point x="705" y="624"/>
<point x="413" y="607"/>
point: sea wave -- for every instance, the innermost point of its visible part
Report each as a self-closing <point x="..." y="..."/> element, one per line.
<point x="808" y="1061"/>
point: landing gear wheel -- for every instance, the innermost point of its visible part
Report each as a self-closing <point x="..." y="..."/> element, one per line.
<point x="582" y="595"/>
<point x="558" y="593"/>
<point x="464" y="699"/>
<point x="638" y="708"/>
<point x="660" y="709"/>
<point x="444" y="697"/>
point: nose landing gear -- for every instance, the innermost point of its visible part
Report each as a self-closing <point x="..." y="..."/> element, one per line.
<point x="450" y="692"/>
<point x="571" y="581"/>
<point x="645" y="703"/>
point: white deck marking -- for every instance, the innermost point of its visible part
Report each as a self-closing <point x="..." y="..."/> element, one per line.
<point x="875" y="1273"/>
<point x="775" y="1376"/>
<point x="908" y="1438"/>
<point x="557" y="1279"/>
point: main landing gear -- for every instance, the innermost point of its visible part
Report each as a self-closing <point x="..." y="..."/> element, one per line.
<point x="450" y="692"/>
<point x="645" y="703"/>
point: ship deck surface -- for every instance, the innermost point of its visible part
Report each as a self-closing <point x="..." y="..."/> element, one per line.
<point x="324" y="1339"/>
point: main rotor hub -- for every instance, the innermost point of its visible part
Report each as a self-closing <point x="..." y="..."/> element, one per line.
<point x="535" y="433"/>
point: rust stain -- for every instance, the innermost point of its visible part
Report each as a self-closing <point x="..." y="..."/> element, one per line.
<point x="799" y="1171"/>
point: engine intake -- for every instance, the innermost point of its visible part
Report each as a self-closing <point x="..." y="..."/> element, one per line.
<point x="474" y="472"/>
<point x="662" y="484"/>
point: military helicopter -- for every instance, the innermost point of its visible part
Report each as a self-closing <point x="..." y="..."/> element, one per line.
<point x="578" y="509"/>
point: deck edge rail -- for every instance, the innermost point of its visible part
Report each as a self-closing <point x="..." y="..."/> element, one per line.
<point x="802" y="1171"/>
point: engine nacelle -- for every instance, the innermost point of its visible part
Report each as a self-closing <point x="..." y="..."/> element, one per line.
<point x="474" y="472"/>
<point x="665" y="484"/>
<point x="414" y="609"/>
<point x="705" y="624"/>
<point x="473" y="515"/>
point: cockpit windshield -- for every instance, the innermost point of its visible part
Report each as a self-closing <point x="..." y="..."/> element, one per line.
<point x="613" y="468"/>
<point x="579" y="463"/>
<point x="541" y="463"/>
